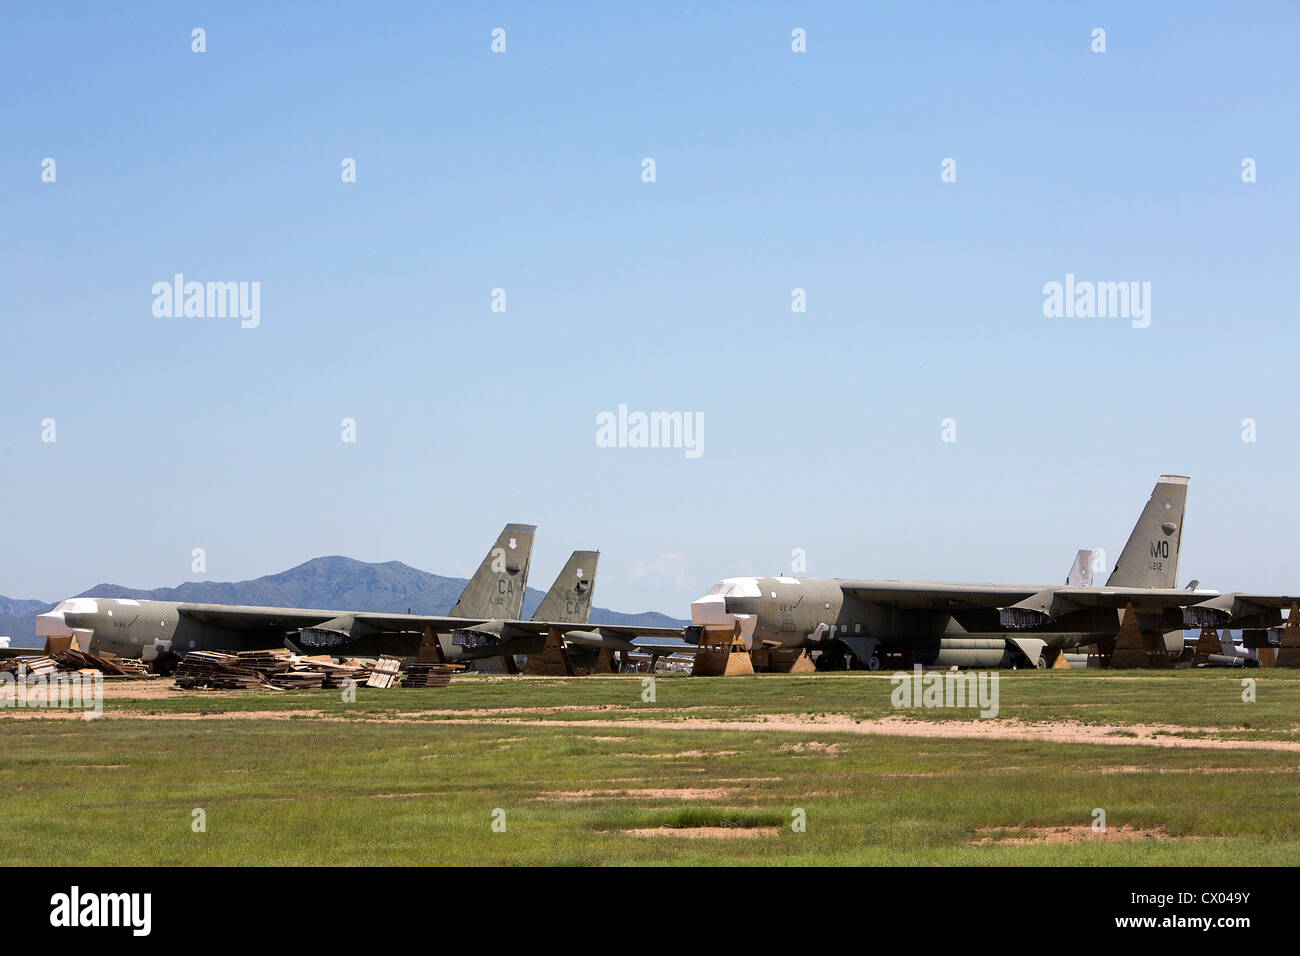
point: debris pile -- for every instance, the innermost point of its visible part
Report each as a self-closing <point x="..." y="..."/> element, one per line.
<point x="384" y="673"/>
<point x="39" y="666"/>
<point x="281" y="668"/>
<point x="215" y="670"/>
<point x="110" y="665"/>
<point x="430" y="674"/>
<point x="71" y="660"/>
<point x="337" y="675"/>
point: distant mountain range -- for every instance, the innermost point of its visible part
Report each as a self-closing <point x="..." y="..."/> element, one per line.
<point x="334" y="583"/>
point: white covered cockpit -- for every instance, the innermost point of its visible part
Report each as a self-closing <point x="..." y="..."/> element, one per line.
<point x="711" y="610"/>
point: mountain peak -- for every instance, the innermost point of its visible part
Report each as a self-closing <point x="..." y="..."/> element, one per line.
<point x="333" y="582"/>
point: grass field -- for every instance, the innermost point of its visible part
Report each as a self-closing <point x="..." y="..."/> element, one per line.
<point x="1185" y="771"/>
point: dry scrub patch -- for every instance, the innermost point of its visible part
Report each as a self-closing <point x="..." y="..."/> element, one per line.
<point x="706" y="833"/>
<point x="1026" y="836"/>
<point x="658" y="793"/>
<point x="685" y="753"/>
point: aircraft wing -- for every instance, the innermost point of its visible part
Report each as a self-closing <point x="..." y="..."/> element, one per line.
<point x="1282" y="601"/>
<point x="613" y="636"/>
<point x="345" y="625"/>
<point x="1140" y="597"/>
<point x="1049" y="604"/>
<point x="350" y="623"/>
<point x="928" y="596"/>
<point x="650" y="647"/>
<point x="1022" y="607"/>
<point x="237" y="618"/>
<point x="1239" y="610"/>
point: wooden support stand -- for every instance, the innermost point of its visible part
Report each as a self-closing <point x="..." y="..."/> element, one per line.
<point x="1137" y="648"/>
<point x="553" y="661"/>
<point x="781" y="660"/>
<point x="605" y="663"/>
<point x="430" y="647"/>
<point x="56" y="645"/>
<point x="1288" y="652"/>
<point x="722" y="654"/>
<point x="1206" y="644"/>
<point x="1256" y="638"/>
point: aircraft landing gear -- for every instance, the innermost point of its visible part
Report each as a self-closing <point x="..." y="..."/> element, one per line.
<point x="834" y="657"/>
<point x="837" y="657"/>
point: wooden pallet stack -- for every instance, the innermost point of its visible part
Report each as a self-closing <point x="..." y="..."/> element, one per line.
<point x="337" y="675"/>
<point x="281" y="668"/>
<point x="269" y="661"/>
<point x="131" y="667"/>
<point x="215" y="670"/>
<point x="298" y="678"/>
<point x="110" y="665"/>
<point x="284" y="669"/>
<point x="37" y="666"/>
<point x="429" y="674"/>
<point x="384" y="673"/>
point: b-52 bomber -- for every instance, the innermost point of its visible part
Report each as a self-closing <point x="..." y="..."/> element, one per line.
<point x="863" y="624"/>
<point x="484" y="623"/>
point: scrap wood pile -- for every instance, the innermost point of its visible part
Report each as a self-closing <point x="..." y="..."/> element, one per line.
<point x="430" y="674"/>
<point x="39" y="666"/>
<point x="384" y="673"/>
<point x="215" y="670"/>
<point x="278" y="667"/>
<point x="281" y="668"/>
<point x="336" y="675"/>
<point x="110" y="665"/>
<point x="71" y="660"/>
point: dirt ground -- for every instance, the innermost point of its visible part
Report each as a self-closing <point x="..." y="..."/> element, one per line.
<point x="1117" y="735"/>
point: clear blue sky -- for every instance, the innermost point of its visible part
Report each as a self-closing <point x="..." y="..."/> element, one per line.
<point x="522" y="170"/>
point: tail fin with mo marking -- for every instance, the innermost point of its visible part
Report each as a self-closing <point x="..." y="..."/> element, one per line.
<point x="1150" y="559"/>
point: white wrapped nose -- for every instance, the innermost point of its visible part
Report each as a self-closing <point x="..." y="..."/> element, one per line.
<point x="710" y="611"/>
<point x="52" y="624"/>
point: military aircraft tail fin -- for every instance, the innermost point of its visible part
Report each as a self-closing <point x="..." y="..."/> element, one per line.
<point x="1226" y="643"/>
<point x="1150" y="558"/>
<point x="1080" y="575"/>
<point x="569" y="599"/>
<point x="497" y="588"/>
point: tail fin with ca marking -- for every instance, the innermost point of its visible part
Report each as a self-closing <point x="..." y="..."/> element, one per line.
<point x="497" y="588"/>
<point x="569" y="599"/>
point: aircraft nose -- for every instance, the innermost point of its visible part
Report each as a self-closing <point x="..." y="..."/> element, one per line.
<point x="52" y="624"/>
<point x="711" y="611"/>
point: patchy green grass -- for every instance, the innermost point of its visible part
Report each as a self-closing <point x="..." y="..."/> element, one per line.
<point x="1189" y="698"/>
<point x="384" y="781"/>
